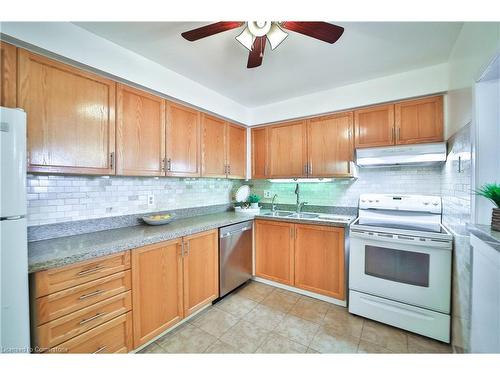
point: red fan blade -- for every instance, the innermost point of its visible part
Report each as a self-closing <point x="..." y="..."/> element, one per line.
<point x="319" y="30"/>
<point x="213" y="28"/>
<point x="257" y="53"/>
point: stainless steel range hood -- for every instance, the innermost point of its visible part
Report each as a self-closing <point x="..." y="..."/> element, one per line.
<point x="423" y="154"/>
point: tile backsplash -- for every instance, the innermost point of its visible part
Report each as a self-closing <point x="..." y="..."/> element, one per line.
<point x="55" y="199"/>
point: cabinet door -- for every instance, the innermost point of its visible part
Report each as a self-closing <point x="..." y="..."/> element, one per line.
<point x="201" y="270"/>
<point x="260" y="153"/>
<point x="213" y="153"/>
<point x="288" y="150"/>
<point x="71" y="117"/>
<point x="183" y="141"/>
<point x="330" y="145"/>
<point x="236" y="151"/>
<point x="8" y="75"/>
<point x="274" y="249"/>
<point x="140" y="134"/>
<point x="374" y="126"/>
<point x="156" y="289"/>
<point x="419" y="121"/>
<point x="319" y="259"/>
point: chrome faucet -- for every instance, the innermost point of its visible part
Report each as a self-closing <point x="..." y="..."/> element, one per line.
<point x="273" y="206"/>
<point x="299" y="204"/>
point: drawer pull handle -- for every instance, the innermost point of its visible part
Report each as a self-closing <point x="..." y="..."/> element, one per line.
<point x="100" y="349"/>
<point x="98" y="315"/>
<point x="88" y="295"/>
<point x="89" y="271"/>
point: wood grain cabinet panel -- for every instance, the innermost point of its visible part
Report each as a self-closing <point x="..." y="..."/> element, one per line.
<point x="157" y="289"/>
<point x="140" y="133"/>
<point x="419" y="121"/>
<point x="236" y="159"/>
<point x="201" y="270"/>
<point x="71" y="117"/>
<point x="319" y="260"/>
<point x="8" y="75"/>
<point x="330" y="145"/>
<point x="374" y="126"/>
<point x="183" y="141"/>
<point x="260" y="152"/>
<point x="274" y="249"/>
<point x="213" y="152"/>
<point x="288" y="150"/>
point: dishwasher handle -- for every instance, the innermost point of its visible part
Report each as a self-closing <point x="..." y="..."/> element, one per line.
<point x="232" y="233"/>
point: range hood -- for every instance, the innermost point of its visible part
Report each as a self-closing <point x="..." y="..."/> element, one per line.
<point x="423" y="154"/>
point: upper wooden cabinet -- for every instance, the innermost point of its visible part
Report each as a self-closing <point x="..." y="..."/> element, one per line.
<point x="71" y="117"/>
<point x="183" y="141"/>
<point x="419" y="121"/>
<point x="260" y="151"/>
<point x="213" y="149"/>
<point x="236" y="157"/>
<point x="140" y="133"/>
<point x="8" y="75"/>
<point x="374" y="126"/>
<point x="288" y="150"/>
<point x="330" y="145"/>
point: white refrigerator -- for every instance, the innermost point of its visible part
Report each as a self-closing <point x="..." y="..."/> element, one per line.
<point x="14" y="296"/>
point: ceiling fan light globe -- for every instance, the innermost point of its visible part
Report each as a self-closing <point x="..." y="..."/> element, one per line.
<point x="275" y="36"/>
<point x="258" y="28"/>
<point x="246" y="38"/>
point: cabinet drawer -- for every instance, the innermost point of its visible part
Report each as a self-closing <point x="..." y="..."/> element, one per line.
<point x="114" y="336"/>
<point x="71" y="325"/>
<point x="54" y="280"/>
<point x="72" y="299"/>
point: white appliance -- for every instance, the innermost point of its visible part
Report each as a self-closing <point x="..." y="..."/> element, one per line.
<point x="400" y="263"/>
<point x="420" y="154"/>
<point x="14" y="299"/>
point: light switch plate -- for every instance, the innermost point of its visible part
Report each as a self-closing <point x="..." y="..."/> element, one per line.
<point x="267" y="194"/>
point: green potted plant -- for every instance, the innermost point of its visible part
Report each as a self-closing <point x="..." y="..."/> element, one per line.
<point x="254" y="200"/>
<point x="492" y="192"/>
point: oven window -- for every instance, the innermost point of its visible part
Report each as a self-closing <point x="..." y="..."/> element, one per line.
<point x="397" y="265"/>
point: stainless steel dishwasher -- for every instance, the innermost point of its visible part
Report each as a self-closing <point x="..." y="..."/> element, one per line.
<point x="235" y="256"/>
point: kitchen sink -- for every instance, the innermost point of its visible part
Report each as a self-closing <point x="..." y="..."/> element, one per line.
<point x="306" y="215"/>
<point x="280" y="213"/>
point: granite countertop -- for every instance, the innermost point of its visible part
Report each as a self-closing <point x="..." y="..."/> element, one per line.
<point x="486" y="234"/>
<point x="57" y="252"/>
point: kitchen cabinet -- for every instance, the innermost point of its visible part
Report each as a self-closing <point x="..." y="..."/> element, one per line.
<point x="374" y="126"/>
<point x="183" y="141"/>
<point x="157" y="289"/>
<point x="8" y="75"/>
<point x="213" y="147"/>
<point x="288" y="150"/>
<point x="236" y="158"/>
<point x="330" y="145"/>
<point x="201" y="270"/>
<point x="319" y="260"/>
<point x="419" y="121"/>
<point x="140" y="133"/>
<point x="274" y="249"/>
<point x="260" y="151"/>
<point x="71" y="117"/>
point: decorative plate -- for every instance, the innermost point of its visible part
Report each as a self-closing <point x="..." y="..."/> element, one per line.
<point x="242" y="193"/>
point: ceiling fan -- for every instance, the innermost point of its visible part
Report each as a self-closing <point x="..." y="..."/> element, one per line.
<point x="255" y="34"/>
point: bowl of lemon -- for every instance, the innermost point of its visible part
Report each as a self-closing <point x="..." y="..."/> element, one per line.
<point x="158" y="219"/>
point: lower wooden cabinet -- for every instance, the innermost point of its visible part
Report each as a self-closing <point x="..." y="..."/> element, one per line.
<point x="156" y="288"/>
<point x="309" y="257"/>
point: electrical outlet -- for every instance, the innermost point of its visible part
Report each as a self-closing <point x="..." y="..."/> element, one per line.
<point x="151" y="200"/>
<point x="267" y="194"/>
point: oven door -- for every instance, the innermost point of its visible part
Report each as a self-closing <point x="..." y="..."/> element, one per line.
<point x="408" y="269"/>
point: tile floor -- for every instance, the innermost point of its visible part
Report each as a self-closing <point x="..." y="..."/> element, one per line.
<point x="259" y="318"/>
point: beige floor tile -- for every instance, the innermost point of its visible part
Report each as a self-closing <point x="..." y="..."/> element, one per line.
<point x="386" y="336"/>
<point x="338" y="319"/>
<point x="297" y="329"/>
<point x="255" y="291"/>
<point x="278" y="344"/>
<point x="215" y="321"/>
<point x="188" y="339"/>
<point x="368" y="347"/>
<point x="281" y="300"/>
<point x="152" y="348"/>
<point x="264" y="317"/>
<point x="221" y="347"/>
<point x="310" y="309"/>
<point x="236" y="305"/>
<point x="328" y="341"/>
<point x="420" y="344"/>
<point x="245" y="337"/>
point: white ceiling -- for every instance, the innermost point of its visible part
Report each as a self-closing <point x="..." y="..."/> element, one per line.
<point x="299" y="66"/>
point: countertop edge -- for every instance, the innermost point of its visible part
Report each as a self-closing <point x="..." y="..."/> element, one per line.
<point x="484" y="233"/>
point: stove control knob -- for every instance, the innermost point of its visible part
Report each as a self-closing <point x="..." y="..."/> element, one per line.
<point x="426" y="203"/>
<point x="370" y="201"/>
<point x="435" y="203"/>
<point x="362" y="200"/>
<point x="376" y="201"/>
